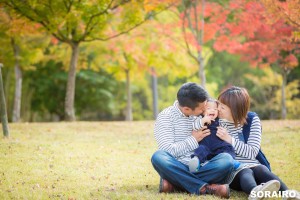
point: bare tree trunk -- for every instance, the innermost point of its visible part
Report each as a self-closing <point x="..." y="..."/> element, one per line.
<point x="154" y="93"/>
<point x="128" y="91"/>
<point x="7" y="86"/>
<point x="283" y="100"/>
<point x="3" y="107"/>
<point x="18" y="95"/>
<point x="201" y="70"/>
<point x="18" y="84"/>
<point x="70" y="93"/>
<point x="200" y="53"/>
<point x="197" y="29"/>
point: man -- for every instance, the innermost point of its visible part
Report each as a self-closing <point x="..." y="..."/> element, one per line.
<point x="177" y="142"/>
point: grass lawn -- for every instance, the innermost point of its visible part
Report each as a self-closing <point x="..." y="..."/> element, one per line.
<point x="111" y="160"/>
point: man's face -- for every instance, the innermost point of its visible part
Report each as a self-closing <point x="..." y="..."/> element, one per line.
<point x="199" y="109"/>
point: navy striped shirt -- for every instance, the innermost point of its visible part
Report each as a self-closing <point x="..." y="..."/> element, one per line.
<point x="246" y="152"/>
<point x="173" y="133"/>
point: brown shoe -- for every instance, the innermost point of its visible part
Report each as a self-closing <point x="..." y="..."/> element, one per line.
<point x="165" y="186"/>
<point x="222" y="191"/>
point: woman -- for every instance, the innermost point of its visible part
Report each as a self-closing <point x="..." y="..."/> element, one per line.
<point x="233" y="108"/>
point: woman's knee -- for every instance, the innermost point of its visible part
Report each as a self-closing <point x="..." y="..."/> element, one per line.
<point x="245" y="173"/>
<point x="260" y="169"/>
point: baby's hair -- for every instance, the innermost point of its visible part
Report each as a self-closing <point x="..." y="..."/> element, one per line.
<point x="213" y="100"/>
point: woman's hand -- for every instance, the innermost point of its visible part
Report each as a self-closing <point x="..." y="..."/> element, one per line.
<point x="223" y="134"/>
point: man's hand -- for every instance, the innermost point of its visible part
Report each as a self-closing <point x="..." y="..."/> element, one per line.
<point x="223" y="134"/>
<point x="200" y="134"/>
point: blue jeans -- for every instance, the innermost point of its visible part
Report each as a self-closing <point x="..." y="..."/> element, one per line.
<point x="179" y="175"/>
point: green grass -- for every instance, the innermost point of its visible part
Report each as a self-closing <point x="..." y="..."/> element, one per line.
<point x="111" y="160"/>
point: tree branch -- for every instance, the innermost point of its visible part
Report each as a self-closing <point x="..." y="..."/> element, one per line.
<point x="186" y="43"/>
<point x="128" y="30"/>
<point x="90" y="27"/>
<point x="287" y="16"/>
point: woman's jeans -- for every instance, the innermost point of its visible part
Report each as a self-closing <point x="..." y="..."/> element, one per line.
<point x="178" y="174"/>
<point x="249" y="178"/>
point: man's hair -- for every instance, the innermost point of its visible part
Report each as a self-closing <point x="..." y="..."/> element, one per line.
<point x="238" y="100"/>
<point x="190" y="95"/>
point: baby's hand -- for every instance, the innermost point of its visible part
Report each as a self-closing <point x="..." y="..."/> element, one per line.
<point x="206" y="120"/>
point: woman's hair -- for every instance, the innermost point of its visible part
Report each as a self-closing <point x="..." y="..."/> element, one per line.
<point x="238" y="100"/>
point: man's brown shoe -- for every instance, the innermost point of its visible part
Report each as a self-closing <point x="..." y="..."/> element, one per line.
<point x="222" y="191"/>
<point x="165" y="186"/>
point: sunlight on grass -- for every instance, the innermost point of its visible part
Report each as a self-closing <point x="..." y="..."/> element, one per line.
<point x="111" y="160"/>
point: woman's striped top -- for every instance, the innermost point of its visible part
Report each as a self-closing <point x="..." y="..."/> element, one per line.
<point x="245" y="152"/>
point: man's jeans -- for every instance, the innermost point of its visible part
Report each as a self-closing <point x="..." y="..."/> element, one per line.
<point x="178" y="174"/>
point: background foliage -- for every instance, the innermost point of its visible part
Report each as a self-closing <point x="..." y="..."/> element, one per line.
<point x="235" y="54"/>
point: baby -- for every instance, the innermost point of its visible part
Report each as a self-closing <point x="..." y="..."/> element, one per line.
<point x="211" y="145"/>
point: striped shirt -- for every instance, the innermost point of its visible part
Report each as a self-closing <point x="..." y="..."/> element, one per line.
<point x="173" y="133"/>
<point x="197" y="123"/>
<point x="246" y="152"/>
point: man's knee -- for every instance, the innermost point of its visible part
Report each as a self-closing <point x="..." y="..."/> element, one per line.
<point x="160" y="158"/>
<point x="225" y="161"/>
<point x="157" y="156"/>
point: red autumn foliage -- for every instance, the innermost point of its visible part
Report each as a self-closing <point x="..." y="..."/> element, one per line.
<point x="257" y="40"/>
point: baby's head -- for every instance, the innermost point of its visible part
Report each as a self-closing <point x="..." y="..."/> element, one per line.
<point x="211" y="108"/>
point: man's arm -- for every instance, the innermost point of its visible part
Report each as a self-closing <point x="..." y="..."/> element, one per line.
<point x="165" y="136"/>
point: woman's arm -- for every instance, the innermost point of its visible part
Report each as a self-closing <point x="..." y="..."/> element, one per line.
<point x="250" y="149"/>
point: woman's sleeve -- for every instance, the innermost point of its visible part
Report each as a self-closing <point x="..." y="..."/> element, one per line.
<point x="165" y="136"/>
<point x="250" y="150"/>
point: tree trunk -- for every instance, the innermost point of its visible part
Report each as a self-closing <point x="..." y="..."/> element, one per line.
<point x="197" y="29"/>
<point x="154" y="93"/>
<point x="18" y="84"/>
<point x="3" y="107"/>
<point x="200" y="39"/>
<point x="128" y="91"/>
<point x="18" y="95"/>
<point x="201" y="70"/>
<point x="70" y="93"/>
<point x="283" y="100"/>
<point x="7" y="86"/>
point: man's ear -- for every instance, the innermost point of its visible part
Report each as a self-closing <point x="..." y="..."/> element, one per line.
<point x="186" y="110"/>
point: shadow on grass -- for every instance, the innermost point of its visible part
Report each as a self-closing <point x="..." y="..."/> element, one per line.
<point x="153" y="190"/>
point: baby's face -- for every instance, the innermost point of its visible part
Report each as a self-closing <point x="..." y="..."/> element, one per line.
<point x="211" y="110"/>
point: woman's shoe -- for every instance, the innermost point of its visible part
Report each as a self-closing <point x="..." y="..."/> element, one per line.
<point x="260" y="191"/>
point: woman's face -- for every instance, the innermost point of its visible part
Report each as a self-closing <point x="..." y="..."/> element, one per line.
<point x="225" y="112"/>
